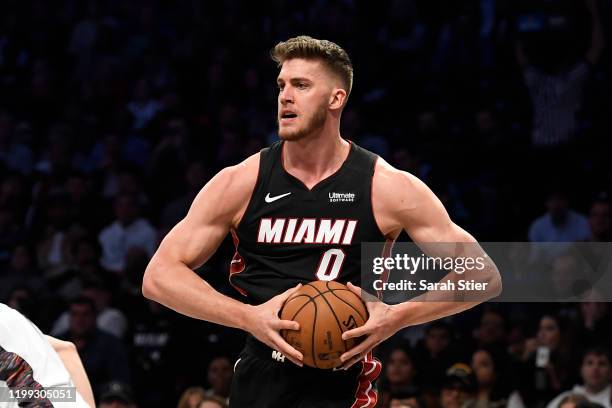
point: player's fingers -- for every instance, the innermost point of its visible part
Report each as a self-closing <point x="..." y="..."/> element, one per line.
<point x="358" y="350"/>
<point x="365" y="296"/>
<point x="357" y="332"/>
<point x="280" y="299"/>
<point x="286" y="324"/>
<point x="351" y="362"/>
<point x="281" y="345"/>
<point x="354" y="288"/>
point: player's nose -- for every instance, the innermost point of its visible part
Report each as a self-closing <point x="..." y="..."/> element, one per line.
<point x="286" y="95"/>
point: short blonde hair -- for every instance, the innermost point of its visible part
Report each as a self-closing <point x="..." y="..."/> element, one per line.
<point x="331" y="54"/>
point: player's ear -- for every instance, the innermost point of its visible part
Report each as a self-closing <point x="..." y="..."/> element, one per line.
<point x="337" y="98"/>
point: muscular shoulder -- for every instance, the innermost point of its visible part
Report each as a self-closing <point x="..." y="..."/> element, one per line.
<point x="396" y="195"/>
<point x="227" y="194"/>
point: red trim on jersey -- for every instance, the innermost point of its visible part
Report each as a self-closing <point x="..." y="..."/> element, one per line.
<point x="384" y="276"/>
<point x="366" y="396"/>
<point x="372" y="198"/>
<point x="237" y="264"/>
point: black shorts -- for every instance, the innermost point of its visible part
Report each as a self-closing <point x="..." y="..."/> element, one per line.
<point x="263" y="378"/>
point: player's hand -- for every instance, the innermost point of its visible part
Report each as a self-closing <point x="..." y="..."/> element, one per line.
<point x="382" y="324"/>
<point x="265" y="325"/>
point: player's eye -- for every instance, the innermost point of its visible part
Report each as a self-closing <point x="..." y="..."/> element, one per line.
<point x="302" y="85"/>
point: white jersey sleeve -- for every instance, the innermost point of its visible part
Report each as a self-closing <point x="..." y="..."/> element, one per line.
<point x="27" y="358"/>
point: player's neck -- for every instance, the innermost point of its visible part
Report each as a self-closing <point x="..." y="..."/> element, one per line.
<point x="315" y="157"/>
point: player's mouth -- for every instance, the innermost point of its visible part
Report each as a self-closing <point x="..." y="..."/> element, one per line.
<point x="286" y="117"/>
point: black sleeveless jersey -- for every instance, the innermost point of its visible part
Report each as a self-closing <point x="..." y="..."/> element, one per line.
<point x="290" y="234"/>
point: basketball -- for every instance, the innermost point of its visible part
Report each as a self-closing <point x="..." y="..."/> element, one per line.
<point x="324" y="310"/>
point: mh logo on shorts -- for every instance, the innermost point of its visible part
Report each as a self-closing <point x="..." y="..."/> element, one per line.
<point x="278" y="356"/>
<point x="341" y="197"/>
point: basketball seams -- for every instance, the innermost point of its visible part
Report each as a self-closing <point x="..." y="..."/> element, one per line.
<point x="314" y="327"/>
<point x="344" y="301"/>
<point x="301" y="307"/>
<point x="332" y="310"/>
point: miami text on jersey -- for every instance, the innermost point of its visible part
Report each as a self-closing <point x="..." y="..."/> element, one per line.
<point x="306" y="231"/>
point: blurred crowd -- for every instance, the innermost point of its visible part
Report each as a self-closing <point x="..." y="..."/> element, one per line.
<point x="114" y="114"/>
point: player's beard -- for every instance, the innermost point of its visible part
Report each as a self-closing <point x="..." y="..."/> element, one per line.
<point x="314" y="123"/>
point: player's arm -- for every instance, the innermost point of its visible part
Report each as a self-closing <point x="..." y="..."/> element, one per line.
<point x="169" y="277"/>
<point x="417" y="210"/>
<point x="70" y="357"/>
<point x="403" y="202"/>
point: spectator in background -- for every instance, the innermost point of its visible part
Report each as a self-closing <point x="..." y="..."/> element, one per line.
<point x="492" y="388"/>
<point x="220" y="373"/>
<point x="21" y="298"/>
<point x="11" y="233"/>
<point x="556" y="85"/>
<point x="143" y="107"/>
<point x="560" y="223"/>
<point x="492" y="330"/>
<point x="570" y="277"/>
<point x="457" y="387"/>
<point x="58" y="235"/>
<point x="104" y="356"/>
<point x="13" y="155"/>
<point x="434" y="355"/>
<point x="85" y="253"/>
<point x="600" y="219"/>
<point x="21" y="270"/>
<point x="595" y="323"/>
<point x="517" y="335"/>
<point x="596" y="374"/>
<point x="127" y="231"/>
<point x="399" y="385"/>
<point x="191" y="397"/>
<point x="213" y="402"/>
<point x="109" y="319"/>
<point x="130" y="182"/>
<point x="116" y="395"/>
<point x="577" y="401"/>
<point x="549" y="365"/>
<point x="106" y="162"/>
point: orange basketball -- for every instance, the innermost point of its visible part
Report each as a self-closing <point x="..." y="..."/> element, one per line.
<point x="324" y="310"/>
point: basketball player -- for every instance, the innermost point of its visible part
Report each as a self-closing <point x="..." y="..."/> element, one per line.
<point x="31" y="360"/>
<point x="298" y="212"/>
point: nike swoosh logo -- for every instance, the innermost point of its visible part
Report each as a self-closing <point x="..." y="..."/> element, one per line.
<point x="278" y="197"/>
